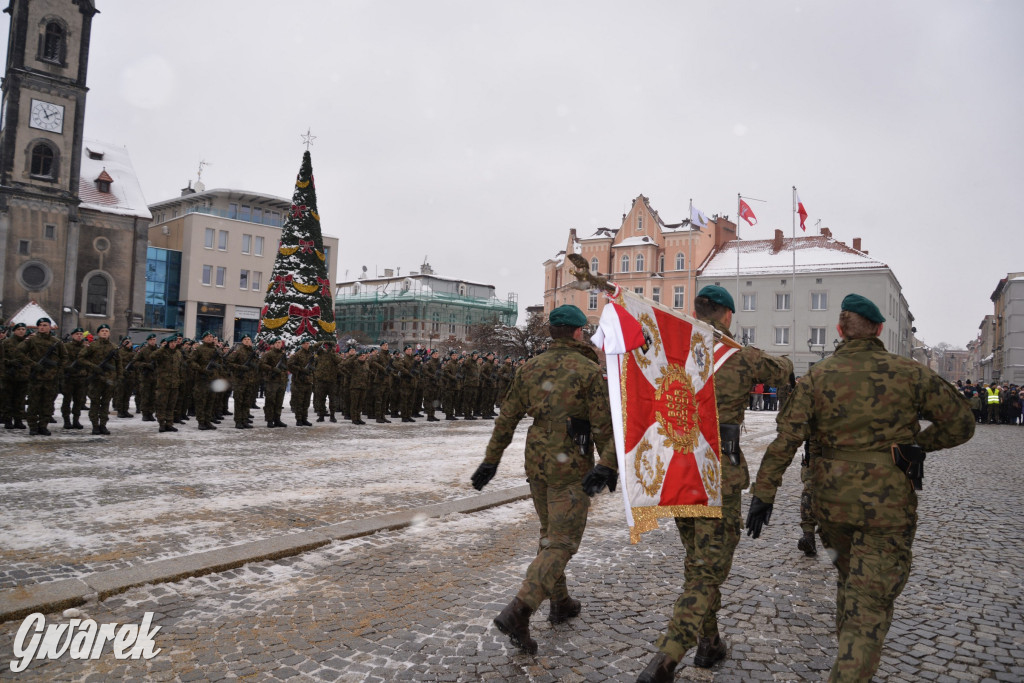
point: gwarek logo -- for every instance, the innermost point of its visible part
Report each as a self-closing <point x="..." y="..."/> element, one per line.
<point x="82" y="639"/>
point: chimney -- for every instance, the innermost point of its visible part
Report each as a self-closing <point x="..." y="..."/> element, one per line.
<point x="185" y="191"/>
<point x="825" y="232"/>
<point x="777" y="242"/>
<point x="389" y="272"/>
<point x="856" y="243"/>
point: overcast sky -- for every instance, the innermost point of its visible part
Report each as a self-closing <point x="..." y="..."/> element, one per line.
<point x="477" y="133"/>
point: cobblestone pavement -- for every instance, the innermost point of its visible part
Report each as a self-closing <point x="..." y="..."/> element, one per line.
<point x="417" y="604"/>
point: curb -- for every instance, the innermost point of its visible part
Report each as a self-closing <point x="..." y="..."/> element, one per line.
<point x="17" y="603"/>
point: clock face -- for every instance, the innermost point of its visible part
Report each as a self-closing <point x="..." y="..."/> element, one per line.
<point x="47" y="116"/>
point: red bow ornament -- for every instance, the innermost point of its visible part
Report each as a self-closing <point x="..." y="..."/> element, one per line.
<point x="306" y="246"/>
<point x="282" y="283"/>
<point x="307" y="316"/>
<point x="325" y="286"/>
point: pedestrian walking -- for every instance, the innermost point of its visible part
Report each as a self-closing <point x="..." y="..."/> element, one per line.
<point x="862" y="406"/>
<point x="565" y="392"/>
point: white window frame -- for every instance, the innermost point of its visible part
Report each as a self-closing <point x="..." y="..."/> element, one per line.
<point x="783" y="297"/>
<point x="748" y="335"/>
<point x="750" y="299"/>
<point x="679" y="296"/>
<point x="222" y="275"/>
<point x="680" y="261"/>
<point x="624" y="263"/>
<point x="819" y="301"/>
<point x="819" y="335"/>
<point x="209" y="238"/>
<point x="222" y="240"/>
<point x="254" y="279"/>
<point x="656" y="294"/>
<point x="257" y="245"/>
<point x="246" y="243"/>
<point x="243" y="279"/>
<point x="638" y="290"/>
<point x="207" y="277"/>
<point x="782" y="336"/>
<point x="594" y="265"/>
<point x="640" y="263"/>
<point x="592" y="301"/>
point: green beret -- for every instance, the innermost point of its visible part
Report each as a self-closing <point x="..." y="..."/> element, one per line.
<point x="862" y="306"/>
<point x="151" y="336"/>
<point x="170" y="338"/>
<point x="567" y="315"/>
<point x="77" y="330"/>
<point x="19" y="326"/>
<point x="104" y="326"/>
<point x="245" y="336"/>
<point x="207" y="333"/>
<point x="44" y="320"/>
<point x="719" y="295"/>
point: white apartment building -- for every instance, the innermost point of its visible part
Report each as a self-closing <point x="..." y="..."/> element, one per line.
<point x="788" y="293"/>
<point x="210" y="257"/>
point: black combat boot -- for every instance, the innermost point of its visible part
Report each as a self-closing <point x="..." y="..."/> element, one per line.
<point x="710" y="651"/>
<point x="333" y="419"/>
<point x="281" y="424"/>
<point x="148" y="417"/>
<point x="514" y="622"/>
<point x="9" y="423"/>
<point x="563" y="610"/>
<point x="807" y="545"/>
<point x="18" y="424"/>
<point x="662" y="669"/>
<point x="320" y="418"/>
<point x="162" y="429"/>
<point x="203" y="426"/>
<point x="32" y="431"/>
<point x="96" y="428"/>
<point x="431" y="418"/>
<point x="67" y="423"/>
<point x="171" y="427"/>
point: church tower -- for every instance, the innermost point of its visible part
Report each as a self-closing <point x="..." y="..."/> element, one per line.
<point x="41" y="145"/>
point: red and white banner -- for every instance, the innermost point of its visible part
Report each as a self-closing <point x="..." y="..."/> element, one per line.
<point x="661" y="384"/>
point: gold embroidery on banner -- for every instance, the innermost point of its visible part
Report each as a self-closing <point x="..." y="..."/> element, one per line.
<point x="701" y="355"/>
<point x="646" y="518"/>
<point x="680" y="408"/>
<point x="645" y="472"/>
<point x="711" y="476"/>
<point x="648" y="322"/>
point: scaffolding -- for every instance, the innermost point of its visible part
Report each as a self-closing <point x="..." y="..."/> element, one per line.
<point x="415" y="314"/>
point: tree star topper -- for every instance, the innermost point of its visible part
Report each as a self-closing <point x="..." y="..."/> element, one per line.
<point x="308" y="138"/>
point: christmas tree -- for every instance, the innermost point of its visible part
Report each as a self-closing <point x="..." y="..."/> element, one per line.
<point x="299" y="301"/>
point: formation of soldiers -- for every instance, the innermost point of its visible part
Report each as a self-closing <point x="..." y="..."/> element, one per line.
<point x="174" y="379"/>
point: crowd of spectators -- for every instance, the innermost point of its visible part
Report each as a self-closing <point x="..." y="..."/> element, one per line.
<point x="994" y="403"/>
<point x="764" y="397"/>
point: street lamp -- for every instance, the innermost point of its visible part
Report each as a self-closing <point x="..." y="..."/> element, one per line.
<point x="821" y="352"/>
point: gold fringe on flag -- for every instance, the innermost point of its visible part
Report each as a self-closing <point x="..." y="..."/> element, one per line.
<point x="274" y="323"/>
<point x="646" y="518"/>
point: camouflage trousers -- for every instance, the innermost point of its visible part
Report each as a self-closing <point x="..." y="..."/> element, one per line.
<point x="41" y="395"/>
<point x="710" y="544"/>
<point x="101" y="391"/>
<point x="301" y="393"/>
<point x="74" y="390"/>
<point x="563" y="518"/>
<point x="808" y="523"/>
<point x="355" y="403"/>
<point x="273" y="400"/>
<point x="166" y="403"/>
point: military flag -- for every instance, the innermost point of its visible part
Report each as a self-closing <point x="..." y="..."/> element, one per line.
<point x="661" y="384"/>
<point x="800" y="210"/>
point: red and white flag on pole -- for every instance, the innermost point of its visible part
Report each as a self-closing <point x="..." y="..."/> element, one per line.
<point x="661" y="385"/>
<point x="747" y="214"/>
<point x="800" y="210"/>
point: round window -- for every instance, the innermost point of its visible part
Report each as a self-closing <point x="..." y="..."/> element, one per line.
<point x="101" y="244"/>
<point x="34" y="275"/>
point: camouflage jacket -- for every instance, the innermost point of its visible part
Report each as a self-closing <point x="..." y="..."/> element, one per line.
<point x="358" y="372"/>
<point x="34" y="349"/>
<point x="471" y="373"/>
<point x="205" y="361"/>
<point x="168" y="368"/>
<point x="102" y="361"/>
<point x="564" y="382"/>
<point x="740" y="372"/>
<point x="301" y="364"/>
<point x="14" y="363"/>
<point x="326" y="366"/>
<point x="242" y="364"/>
<point x="74" y="370"/>
<point x="273" y="365"/>
<point x="864" y="398"/>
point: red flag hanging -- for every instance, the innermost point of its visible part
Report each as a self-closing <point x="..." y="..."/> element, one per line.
<point x="801" y="211"/>
<point x="747" y="214"/>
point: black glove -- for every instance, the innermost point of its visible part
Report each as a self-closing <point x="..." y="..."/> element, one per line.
<point x="758" y="515"/>
<point x="598" y="478"/>
<point x="483" y="475"/>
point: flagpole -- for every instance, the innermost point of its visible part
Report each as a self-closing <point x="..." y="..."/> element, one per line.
<point x="691" y="287"/>
<point x="792" y="248"/>
<point x="739" y="297"/>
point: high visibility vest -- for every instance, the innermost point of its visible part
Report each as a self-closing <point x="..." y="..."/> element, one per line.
<point x="993" y="395"/>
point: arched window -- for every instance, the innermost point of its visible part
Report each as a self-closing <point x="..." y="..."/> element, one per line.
<point x="44" y="161"/>
<point x="97" y="292"/>
<point x="680" y="261"/>
<point x="625" y="263"/>
<point x="53" y="47"/>
<point x="639" y="262"/>
<point x="594" y="265"/>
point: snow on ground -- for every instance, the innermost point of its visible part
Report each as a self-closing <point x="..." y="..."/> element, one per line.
<point x="74" y="503"/>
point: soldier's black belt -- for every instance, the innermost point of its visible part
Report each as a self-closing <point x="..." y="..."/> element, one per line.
<point x="868" y="457"/>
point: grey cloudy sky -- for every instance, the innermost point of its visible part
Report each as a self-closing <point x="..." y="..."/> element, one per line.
<point x="477" y="133"/>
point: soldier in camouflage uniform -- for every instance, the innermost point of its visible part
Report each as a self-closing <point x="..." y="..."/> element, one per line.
<point x="565" y="387"/>
<point x="406" y="384"/>
<point x="325" y="382"/>
<point x="45" y="357"/>
<point x="380" y="382"/>
<point x="470" y="385"/>
<point x="450" y="385"/>
<point x="126" y="382"/>
<point x="74" y="384"/>
<point x="430" y="372"/>
<point x="300" y="364"/>
<point x="273" y="367"/>
<point x="147" y="383"/>
<point x="358" y="377"/>
<point x="205" y="364"/>
<point x="242" y="362"/>
<point x="15" y="378"/>
<point x="168" y="382"/>
<point x="863" y="406"/>
<point x="104" y="365"/>
<point x="710" y="543"/>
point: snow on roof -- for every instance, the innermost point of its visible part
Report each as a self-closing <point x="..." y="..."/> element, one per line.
<point x="125" y="197"/>
<point x="813" y="254"/>
<point x="685" y="226"/>
<point x="29" y="314"/>
<point x="636" y="242"/>
<point x="601" y="234"/>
